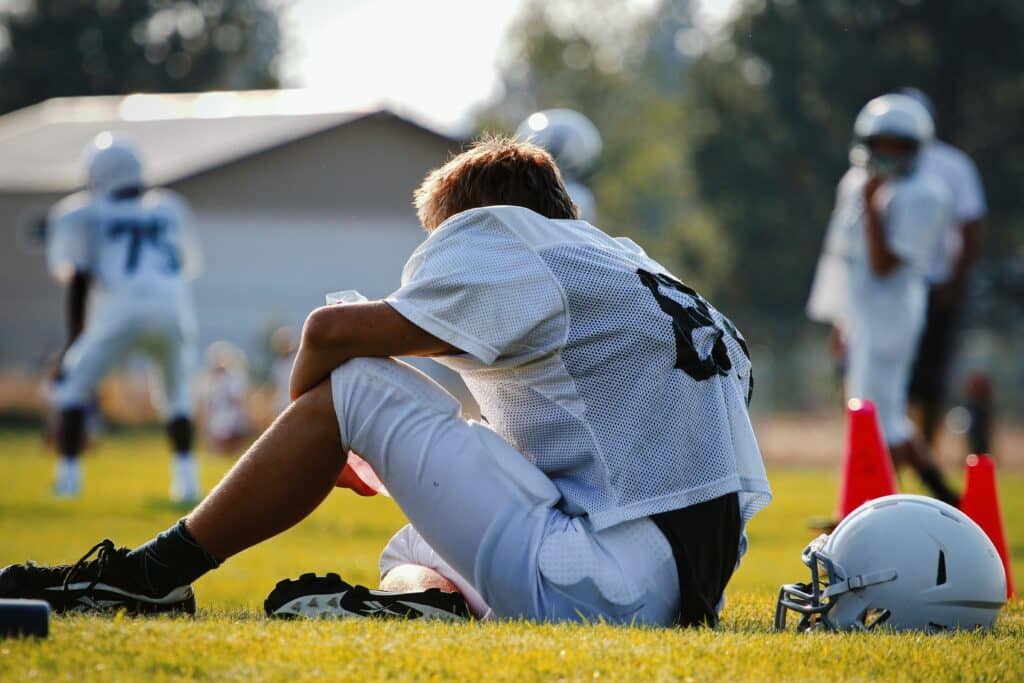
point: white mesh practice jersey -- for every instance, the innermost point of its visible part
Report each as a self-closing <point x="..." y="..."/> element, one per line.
<point x="617" y="380"/>
<point x="137" y="247"/>
<point x="885" y="311"/>
<point x="956" y="170"/>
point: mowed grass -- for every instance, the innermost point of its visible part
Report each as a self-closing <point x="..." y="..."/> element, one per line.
<point x="125" y="499"/>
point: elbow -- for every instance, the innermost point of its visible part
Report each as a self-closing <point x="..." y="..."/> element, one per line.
<point x="317" y="329"/>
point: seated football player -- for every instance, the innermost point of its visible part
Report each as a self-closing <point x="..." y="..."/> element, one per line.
<point x="871" y="279"/>
<point x="613" y="478"/>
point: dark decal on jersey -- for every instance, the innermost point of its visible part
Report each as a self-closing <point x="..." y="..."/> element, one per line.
<point x="141" y="233"/>
<point x="687" y="319"/>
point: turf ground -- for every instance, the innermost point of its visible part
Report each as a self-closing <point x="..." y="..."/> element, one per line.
<point x="125" y="499"/>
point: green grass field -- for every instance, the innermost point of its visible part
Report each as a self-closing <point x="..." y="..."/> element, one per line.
<point x="125" y="499"/>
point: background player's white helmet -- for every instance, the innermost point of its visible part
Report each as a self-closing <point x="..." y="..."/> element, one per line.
<point x="903" y="562"/>
<point x="567" y="135"/>
<point x="112" y="163"/>
<point x="893" y="115"/>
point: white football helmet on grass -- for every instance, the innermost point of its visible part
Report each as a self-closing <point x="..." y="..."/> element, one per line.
<point x="902" y="562"/>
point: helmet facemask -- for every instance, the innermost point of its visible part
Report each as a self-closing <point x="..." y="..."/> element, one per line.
<point x="886" y="156"/>
<point x="829" y="591"/>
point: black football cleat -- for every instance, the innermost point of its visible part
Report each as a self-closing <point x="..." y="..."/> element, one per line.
<point x="331" y="597"/>
<point x="105" y="584"/>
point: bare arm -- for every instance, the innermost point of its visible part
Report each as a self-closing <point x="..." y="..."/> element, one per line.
<point x="949" y="293"/>
<point x="75" y="302"/>
<point x="334" y="334"/>
<point x="883" y="259"/>
<point x="973" y="232"/>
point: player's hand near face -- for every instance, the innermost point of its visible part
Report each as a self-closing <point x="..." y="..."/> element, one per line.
<point x="336" y="333"/>
<point x="883" y="259"/>
<point x="871" y="187"/>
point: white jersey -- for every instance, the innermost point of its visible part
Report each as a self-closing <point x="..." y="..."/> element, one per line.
<point x="884" y="312"/>
<point x="133" y="248"/>
<point x="618" y="381"/>
<point x="959" y="174"/>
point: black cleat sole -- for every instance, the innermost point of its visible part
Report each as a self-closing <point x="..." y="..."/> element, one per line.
<point x="331" y="597"/>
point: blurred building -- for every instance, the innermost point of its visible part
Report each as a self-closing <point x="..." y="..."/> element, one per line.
<point x="292" y="200"/>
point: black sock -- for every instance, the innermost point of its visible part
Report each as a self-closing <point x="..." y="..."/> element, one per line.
<point x="172" y="559"/>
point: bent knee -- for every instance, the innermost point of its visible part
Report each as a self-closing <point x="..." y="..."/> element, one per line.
<point x="396" y="375"/>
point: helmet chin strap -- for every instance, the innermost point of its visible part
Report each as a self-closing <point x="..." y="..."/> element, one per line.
<point x="859" y="581"/>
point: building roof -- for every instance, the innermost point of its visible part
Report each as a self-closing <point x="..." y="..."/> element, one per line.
<point x="180" y="135"/>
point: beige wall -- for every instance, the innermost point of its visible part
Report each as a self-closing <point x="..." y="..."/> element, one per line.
<point x="31" y="315"/>
<point x="264" y="268"/>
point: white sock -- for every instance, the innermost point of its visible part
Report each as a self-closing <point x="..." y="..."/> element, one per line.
<point x="184" y="478"/>
<point x="69" y="466"/>
<point x="183" y="455"/>
<point x="68" y="479"/>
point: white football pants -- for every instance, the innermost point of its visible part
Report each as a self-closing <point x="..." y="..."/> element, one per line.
<point x="489" y="514"/>
<point x="883" y="377"/>
<point x="163" y="330"/>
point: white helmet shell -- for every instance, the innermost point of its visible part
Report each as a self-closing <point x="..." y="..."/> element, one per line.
<point x="896" y="115"/>
<point x="567" y="135"/>
<point x="902" y="562"/>
<point x="112" y="163"/>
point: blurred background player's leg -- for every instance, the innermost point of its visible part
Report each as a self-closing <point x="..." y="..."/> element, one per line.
<point x="84" y="365"/>
<point x="70" y="442"/>
<point x="929" y="379"/>
<point x="882" y="378"/>
<point x="920" y="457"/>
<point x="979" y="407"/>
<point x="176" y="355"/>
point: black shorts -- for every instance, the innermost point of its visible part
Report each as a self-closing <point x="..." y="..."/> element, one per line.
<point x="705" y="543"/>
<point x="930" y="375"/>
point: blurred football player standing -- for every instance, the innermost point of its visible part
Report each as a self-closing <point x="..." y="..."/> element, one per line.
<point x="225" y="385"/>
<point x="956" y="253"/>
<point x="871" y="282"/>
<point x="128" y="252"/>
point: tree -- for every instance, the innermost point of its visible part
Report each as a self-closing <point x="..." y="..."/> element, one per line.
<point x="777" y="101"/>
<point x="51" y="48"/>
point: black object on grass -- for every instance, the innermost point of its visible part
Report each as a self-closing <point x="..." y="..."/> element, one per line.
<point x="24" y="618"/>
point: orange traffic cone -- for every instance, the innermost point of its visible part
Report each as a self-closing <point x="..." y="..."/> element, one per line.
<point x="980" y="502"/>
<point x="867" y="467"/>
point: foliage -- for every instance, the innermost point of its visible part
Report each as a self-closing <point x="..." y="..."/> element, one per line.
<point x="61" y="48"/>
<point x="725" y="143"/>
<point x="126" y="479"/>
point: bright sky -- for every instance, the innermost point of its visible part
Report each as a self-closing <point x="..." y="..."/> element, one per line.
<point x="438" y="59"/>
